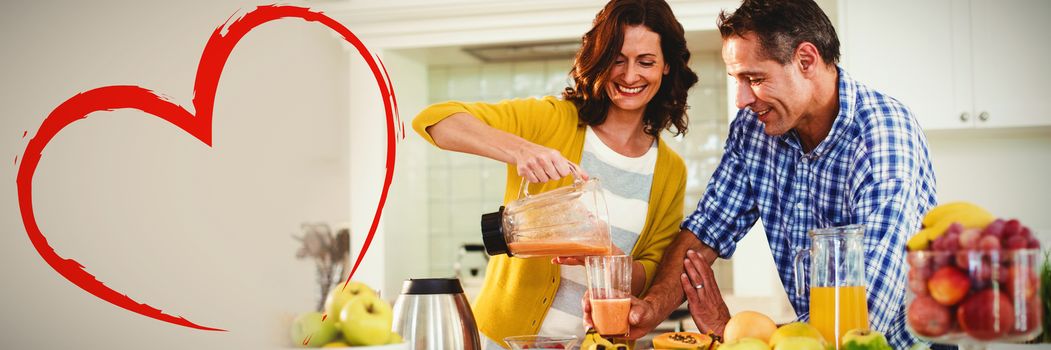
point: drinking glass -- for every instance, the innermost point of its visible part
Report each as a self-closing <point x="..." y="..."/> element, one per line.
<point x="609" y="285"/>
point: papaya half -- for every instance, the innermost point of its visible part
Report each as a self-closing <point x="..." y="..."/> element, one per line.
<point x="682" y="341"/>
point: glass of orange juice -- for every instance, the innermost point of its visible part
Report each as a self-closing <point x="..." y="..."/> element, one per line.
<point x="836" y="280"/>
<point x="609" y="286"/>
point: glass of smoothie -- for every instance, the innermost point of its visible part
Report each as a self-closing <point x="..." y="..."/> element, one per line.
<point x="609" y="286"/>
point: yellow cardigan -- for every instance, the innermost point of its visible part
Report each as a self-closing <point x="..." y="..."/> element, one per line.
<point x="518" y="292"/>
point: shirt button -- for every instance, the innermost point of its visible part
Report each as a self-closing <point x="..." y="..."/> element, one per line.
<point x="799" y="205"/>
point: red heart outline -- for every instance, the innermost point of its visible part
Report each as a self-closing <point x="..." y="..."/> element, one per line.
<point x="109" y="98"/>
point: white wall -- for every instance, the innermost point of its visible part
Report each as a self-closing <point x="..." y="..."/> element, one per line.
<point x="1003" y="170"/>
<point x="199" y="232"/>
<point x="406" y="213"/>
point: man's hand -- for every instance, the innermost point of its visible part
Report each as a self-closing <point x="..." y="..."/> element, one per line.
<point x="706" y="304"/>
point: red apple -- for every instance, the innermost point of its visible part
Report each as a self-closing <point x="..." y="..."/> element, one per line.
<point x="948" y="285"/>
<point x="986" y="315"/>
<point x="927" y="317"/>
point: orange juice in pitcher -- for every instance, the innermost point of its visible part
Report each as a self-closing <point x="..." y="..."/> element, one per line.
<point x="836" y="278"/>
<point x="836" y="310"/>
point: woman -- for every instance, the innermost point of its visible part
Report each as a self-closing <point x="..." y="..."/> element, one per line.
<point x="630" y="80"/>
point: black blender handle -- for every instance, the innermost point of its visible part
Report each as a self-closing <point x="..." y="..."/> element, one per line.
<point x="474" y="247"/>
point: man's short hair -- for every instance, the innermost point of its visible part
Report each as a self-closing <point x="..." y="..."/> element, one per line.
<point x="781" y="25"/>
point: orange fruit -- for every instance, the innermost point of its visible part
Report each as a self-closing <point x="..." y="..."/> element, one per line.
<point x="749" y="324"/>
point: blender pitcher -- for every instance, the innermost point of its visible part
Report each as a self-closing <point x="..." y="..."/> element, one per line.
<point x="837" y="281"/>
<point x="568" y="221"/>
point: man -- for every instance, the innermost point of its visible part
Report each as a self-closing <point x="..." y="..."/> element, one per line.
<point x="810" y="147"/>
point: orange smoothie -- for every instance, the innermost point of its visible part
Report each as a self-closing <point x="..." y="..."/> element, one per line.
<point x="547" y="248"/>
<point x="847" y="302"/>
<point x="610" y="315"/>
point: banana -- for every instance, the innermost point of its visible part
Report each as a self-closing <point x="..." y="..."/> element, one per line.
<point x="941" y="217"/>
<point x="958" y="211"/>
<point x="594" y="341"/>
<point x="919" y="241"/>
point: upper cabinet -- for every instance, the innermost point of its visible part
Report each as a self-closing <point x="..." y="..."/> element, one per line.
<point x="955" y="63"/>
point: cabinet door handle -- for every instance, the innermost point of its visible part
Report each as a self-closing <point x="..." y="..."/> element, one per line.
<point x="983" y="116"/>
<point x="965" y="116"/>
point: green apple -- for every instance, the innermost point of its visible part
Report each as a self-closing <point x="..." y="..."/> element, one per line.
<point x="799" y="343"/>
<point x="744" y="344"/>
<point x="796" y="329"/>
<point x="308" y="330"/>
<point x="366" y="320"/>
<point x="336" y="344"/>
<point x="864" y="339"/>
<point x="339" y="296"/>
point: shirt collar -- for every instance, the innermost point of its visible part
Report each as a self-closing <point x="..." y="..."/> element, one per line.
<point x="847" y="107"/>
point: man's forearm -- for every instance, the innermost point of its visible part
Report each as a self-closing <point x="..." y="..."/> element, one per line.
<point x="665" y="294"/>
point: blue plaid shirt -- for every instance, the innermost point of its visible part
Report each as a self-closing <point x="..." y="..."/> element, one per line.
<point x="872" y="169"/>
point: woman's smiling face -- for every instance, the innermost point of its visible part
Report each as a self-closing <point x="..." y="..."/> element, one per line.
<point x="637" y="71"/>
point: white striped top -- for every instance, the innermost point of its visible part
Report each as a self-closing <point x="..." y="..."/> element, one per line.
<point x="626" y="183"/>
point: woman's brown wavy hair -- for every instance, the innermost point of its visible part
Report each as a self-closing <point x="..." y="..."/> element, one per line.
<point x="601" y="46"/>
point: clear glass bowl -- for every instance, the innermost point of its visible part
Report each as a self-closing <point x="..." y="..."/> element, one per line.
<point x="974" y="297"/>
<point x="522" y="342"/>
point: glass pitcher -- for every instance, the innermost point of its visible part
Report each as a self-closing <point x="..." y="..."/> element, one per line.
<point x="837" y="280"/>
<point x="568" y="221"/>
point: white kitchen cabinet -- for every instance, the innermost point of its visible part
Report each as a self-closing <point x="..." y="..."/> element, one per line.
<point x="955" y="63"/>
<point x="1010" y="48"/>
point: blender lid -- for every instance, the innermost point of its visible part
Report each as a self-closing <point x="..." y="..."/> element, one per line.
<point x="493" y="233"/>
<point x="432" y="286"/>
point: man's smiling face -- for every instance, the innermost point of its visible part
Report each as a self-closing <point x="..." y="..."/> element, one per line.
<point x="776" y="93"/>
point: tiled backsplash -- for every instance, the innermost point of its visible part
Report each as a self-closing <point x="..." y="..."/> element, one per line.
<point x="462" y="187"/>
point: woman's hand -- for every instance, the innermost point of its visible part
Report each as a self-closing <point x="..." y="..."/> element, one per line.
<point x="706" y="304"/>
<point x="539" y="164"/>
<point x="637" y="318"/>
